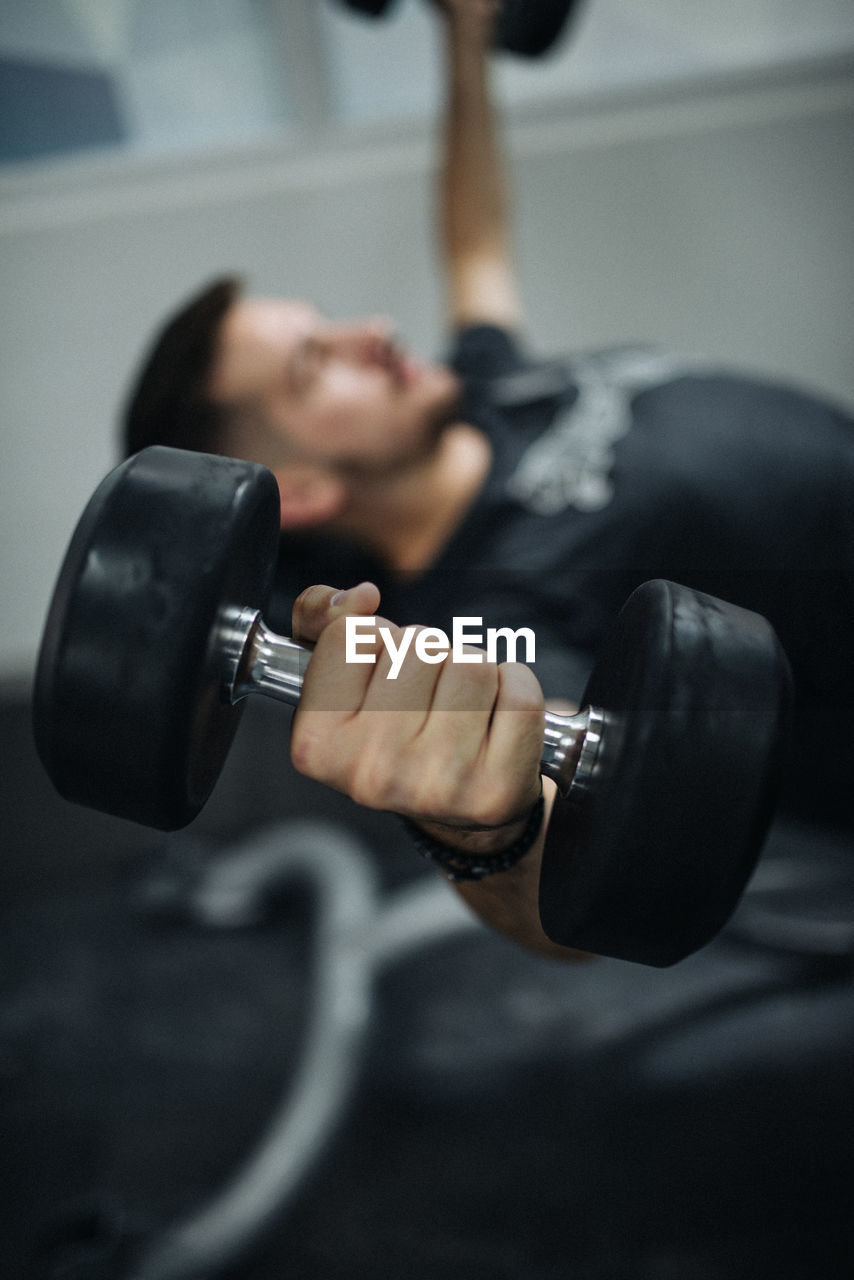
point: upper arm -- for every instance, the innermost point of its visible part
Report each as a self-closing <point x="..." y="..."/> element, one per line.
<point x="483" y="289"/>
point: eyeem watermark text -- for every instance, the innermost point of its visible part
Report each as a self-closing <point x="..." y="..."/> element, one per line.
<point x="432" y="644"/>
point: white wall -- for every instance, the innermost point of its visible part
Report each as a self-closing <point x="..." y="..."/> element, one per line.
<point x="716" y="218"/>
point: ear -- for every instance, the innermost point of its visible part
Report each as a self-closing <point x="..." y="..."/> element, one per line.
<point x="308" y="495"/>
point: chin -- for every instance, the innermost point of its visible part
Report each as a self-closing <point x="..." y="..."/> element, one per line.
<point x="451" y="384"/>
<point x="441" y="416"/>
<point x="445" y="396"/>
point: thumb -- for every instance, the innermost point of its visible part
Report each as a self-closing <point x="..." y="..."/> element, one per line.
<point x="317" y="606"/>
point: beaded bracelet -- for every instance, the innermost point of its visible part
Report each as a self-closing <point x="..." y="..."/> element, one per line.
<point x="461" y="866"/>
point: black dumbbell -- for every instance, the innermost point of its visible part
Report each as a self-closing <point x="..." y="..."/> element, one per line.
<point x="526" y="27"/>
<point x="154" y="636"/>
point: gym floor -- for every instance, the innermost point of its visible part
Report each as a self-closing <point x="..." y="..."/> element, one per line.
<point x="358" y="1081"/>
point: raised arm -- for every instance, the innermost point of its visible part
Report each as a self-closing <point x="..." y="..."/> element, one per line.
<point x="473" y="208"/>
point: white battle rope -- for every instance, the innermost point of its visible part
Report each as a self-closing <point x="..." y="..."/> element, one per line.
<point x="355" y="936"/>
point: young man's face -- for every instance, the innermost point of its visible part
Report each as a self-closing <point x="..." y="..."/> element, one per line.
<point x="336" y="394"/>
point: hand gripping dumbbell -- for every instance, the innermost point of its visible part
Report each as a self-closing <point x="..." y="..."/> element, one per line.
<point x="155" y="635"/>
<point x="529" y="28"/>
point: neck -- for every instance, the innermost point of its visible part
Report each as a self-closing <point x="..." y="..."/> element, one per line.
<point x="406" y="519"/>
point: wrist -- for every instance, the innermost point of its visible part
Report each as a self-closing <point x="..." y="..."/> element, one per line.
<point x="470" y="854"/>
<point x="469" y="32"/>
<point x="471" y="841"/>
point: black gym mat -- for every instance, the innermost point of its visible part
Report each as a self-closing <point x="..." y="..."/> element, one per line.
<point x="509" y="1118"/>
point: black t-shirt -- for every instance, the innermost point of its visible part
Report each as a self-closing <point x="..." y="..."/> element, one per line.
<point x="619" y="467"/>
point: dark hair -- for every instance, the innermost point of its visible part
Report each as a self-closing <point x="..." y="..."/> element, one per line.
<point x="168" y="403"/>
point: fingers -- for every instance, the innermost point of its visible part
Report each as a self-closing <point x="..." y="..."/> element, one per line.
<point x="449" y="741"/>
<point x="515" y="742"/>
<point x="353" y="720"/>
<point x="437" y="744"/>
<point x="317" y="606"/>
<point x="483" y="741"/>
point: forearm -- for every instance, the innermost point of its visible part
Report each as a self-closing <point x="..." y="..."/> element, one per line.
<point x="474" y="211"/>
<point x="508" y="901"/>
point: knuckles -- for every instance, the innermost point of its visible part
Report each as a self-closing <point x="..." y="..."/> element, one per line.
<point x="309" y="747"/>
<point x="372" y="781"/>
<point x="497" y="805"/>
